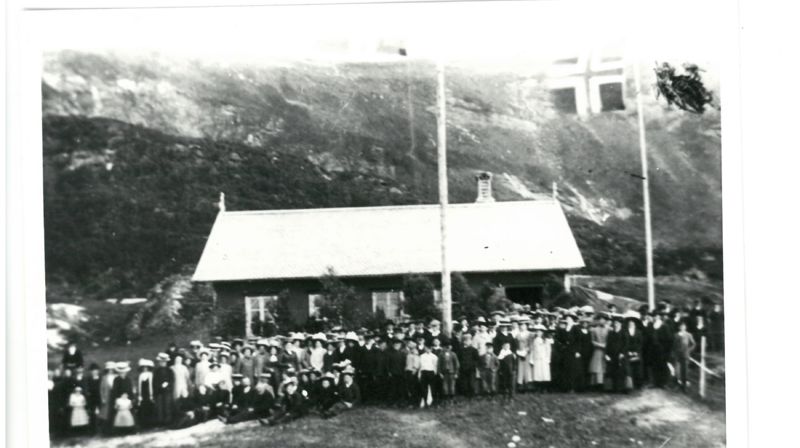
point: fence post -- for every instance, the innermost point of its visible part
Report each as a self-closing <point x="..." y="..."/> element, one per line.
<point x="703" y="367"/>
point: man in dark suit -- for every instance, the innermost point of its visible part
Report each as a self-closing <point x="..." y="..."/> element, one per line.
<point x="395" y="368"/>
<point x="572" y="354"/>
<point x="469" y="361"/>
<point x="163" y="382"/>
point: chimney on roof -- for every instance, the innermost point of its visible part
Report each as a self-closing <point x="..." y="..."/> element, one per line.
<point x="484" y="187"/>
<point x="221" y="203"/>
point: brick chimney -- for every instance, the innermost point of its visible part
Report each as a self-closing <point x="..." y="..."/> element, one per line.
<point x="484" y="187"/>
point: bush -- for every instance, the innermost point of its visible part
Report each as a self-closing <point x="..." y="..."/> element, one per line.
<point x="465" y="300"/>
<point x="493" y="298"/>
<point x="283" y="314"/>
<point x="230" y="322"/>
<point x="339" y="304"/>
<point x="419" y="296"/>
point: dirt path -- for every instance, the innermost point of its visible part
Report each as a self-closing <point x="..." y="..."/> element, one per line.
<point x="697" y="425"/>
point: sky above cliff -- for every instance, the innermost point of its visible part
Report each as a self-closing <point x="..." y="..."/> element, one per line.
<point x="488" y="35"/>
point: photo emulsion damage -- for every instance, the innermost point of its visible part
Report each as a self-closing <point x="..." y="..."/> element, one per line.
<point x="372" y="225"/>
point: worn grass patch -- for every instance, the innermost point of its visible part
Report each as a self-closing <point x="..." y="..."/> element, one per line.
<point x="649" y="419"/>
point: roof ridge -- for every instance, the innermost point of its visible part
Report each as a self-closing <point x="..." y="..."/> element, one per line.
<point x="386" y="207"/>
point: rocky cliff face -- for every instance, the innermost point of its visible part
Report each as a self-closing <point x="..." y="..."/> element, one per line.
<point x="144" y="138"/>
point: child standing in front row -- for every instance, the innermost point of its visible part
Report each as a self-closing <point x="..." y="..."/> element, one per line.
<point x="489" y="365"/>
<point x="123" y="420"/>
<point x="79" y="418"/>
<point x="505" y="372"/>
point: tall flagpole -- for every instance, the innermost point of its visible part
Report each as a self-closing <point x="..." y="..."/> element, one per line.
<point x="648" y="232"/>
<point x="441" y="121"/>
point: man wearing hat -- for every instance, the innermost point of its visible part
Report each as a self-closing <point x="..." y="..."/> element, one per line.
<point x="615" y="355"/>
<point x="571" y="358"/>
<point x="292" y="405"/>
<point x="367" y="369"/>
<point x="92" y="388"/>
<point x="660" y="342"/>
<point x="162" y="389"/>
<point x="469" y="362"/>
<point x="395" y="366"/>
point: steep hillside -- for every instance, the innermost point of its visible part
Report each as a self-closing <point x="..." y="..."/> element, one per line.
<point x="137" y="149"/>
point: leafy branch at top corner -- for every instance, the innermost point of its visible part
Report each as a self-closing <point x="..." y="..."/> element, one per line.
<point x="685" y="90"/>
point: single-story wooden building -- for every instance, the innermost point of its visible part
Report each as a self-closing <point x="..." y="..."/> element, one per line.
<point x="251" y="256"/>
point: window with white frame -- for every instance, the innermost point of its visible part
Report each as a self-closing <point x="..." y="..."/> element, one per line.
<point x="257" y="313"/>
<point x="314" y="303"/>
<point x="391" y="302"/>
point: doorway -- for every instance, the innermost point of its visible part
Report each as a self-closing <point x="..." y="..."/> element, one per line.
<point x="525" y="295"/>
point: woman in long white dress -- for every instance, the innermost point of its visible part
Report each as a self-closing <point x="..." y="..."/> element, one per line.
<point x="540" y="357"/>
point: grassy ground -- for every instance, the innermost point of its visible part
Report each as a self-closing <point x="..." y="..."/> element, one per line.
<point x="146" y="347"/>
<point x="652" y="418"/>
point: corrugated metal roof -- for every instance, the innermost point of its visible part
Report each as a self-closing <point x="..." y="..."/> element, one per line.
<point x="498" y="236"/>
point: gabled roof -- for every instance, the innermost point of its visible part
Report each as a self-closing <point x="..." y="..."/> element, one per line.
<point x="365" y="241"/>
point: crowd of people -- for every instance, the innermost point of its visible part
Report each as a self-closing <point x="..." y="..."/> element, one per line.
<point x="409" y="364"/>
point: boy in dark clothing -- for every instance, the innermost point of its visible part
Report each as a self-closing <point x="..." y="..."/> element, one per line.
<point x="292" y="405"/>
<point x="505" y="371"/>
<point x="489" y="364"/>
<point x="448" y="370"/>
<point x="326" y="397"/>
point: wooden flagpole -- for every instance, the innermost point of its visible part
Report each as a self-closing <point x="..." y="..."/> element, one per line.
<point x="441" y="120"/>
<point x="648" y="233"/>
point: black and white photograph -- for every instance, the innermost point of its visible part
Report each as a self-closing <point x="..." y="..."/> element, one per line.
<point x="456" y="224"/>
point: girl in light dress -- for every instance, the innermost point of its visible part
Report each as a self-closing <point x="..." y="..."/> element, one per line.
<point x="123" y="420"/>
<point x="79" y="418"/>
<point x="540" y="358"/>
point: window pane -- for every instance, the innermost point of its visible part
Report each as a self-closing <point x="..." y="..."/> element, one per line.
<point x="611" y="96"/>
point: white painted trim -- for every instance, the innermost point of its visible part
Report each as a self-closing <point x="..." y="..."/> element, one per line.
<point x="578" y="84"/>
